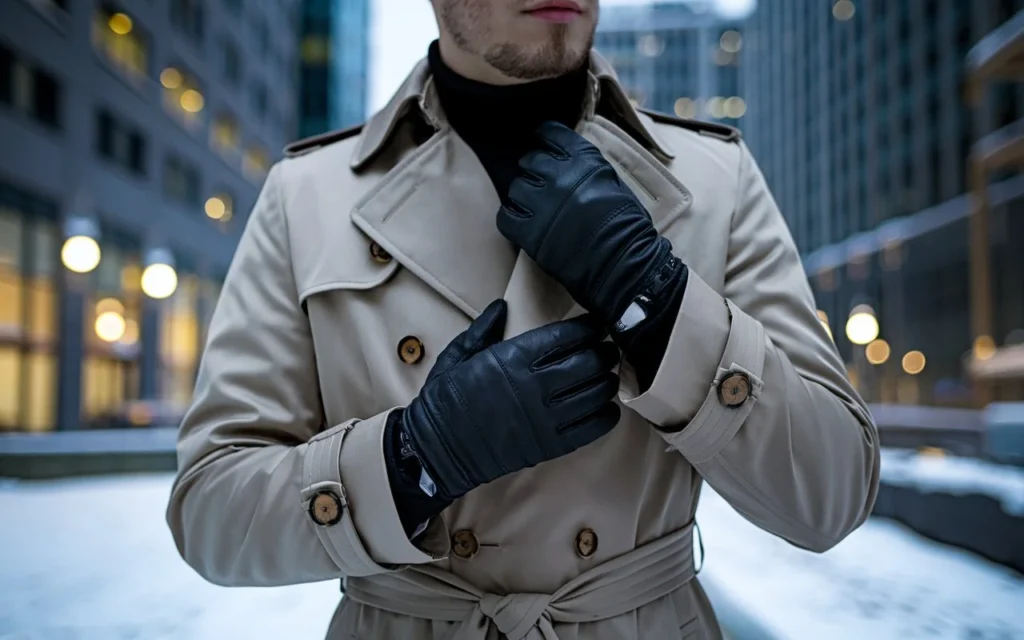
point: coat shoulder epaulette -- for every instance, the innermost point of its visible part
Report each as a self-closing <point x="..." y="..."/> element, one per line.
<point x="312" y="143"/>
<point x="720" y="131"/>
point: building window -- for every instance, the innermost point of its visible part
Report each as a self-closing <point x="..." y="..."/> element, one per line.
<point x="122" y="144"/>
<point x="181" y="181"/>
<point x="259" y="99"/>
<point x="183" y="96"/>
<point x="28" y="320"/>
<point x="232" y="62"/>
<point x="187" y="17"/>
<point x="179" y="348"/>
<point x="260" y="35"/>
<point x="255" y="163"/>
<point x="30" y="90"/>
<point x="112" y="330"/>
<point x="116" y="35"/>
<point x="225" y="134"/>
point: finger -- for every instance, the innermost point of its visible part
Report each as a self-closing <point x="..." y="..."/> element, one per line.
<point x="485" y="331"/>
<point x="554" y="342"/>
<point x="589" y="428"/>
<point x="561" y="140"/>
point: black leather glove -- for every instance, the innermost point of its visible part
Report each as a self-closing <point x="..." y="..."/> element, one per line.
<point x="569" y="211"/>
<point x="495" y="407"/>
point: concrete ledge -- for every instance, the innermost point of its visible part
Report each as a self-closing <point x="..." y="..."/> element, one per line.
<point x="82" y="453"/>
<point x="972" y="504"/>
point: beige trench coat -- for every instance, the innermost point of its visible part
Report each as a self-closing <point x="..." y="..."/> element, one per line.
<point x="367" y="252"/>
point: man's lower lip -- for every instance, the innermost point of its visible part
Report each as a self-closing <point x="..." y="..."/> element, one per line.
<point x="555" y="15"/>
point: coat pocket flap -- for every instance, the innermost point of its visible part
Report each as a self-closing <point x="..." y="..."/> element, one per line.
<point x="336" y="271"/>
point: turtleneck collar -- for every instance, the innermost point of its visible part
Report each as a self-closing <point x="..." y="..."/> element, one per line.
<point x="491" y="114"/>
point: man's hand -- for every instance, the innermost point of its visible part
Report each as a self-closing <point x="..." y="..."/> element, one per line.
<point x="569" y="211"/>
<point x="492" y="407"/>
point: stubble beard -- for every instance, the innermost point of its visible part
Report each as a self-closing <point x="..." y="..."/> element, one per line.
<point x="462" y="18"/>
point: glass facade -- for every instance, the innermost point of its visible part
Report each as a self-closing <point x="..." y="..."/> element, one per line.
<point x="674" y="59"/>
<point x="859" y="123"/>
<point x="334" y="61"/>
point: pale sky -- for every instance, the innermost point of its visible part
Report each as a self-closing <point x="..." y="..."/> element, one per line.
<point x="402" y="29"/>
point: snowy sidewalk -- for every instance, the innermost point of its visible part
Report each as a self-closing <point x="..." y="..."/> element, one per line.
<point x="93" y="560"/>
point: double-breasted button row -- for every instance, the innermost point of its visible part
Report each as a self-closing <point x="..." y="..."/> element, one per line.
<point x="465" y="544"/>
<point x="734" y="389"/>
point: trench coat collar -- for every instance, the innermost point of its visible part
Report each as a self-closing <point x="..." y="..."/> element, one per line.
<point x="417" y="97"/>
<point x="433" y="209"/>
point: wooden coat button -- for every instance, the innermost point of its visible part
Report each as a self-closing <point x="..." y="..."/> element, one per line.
<point x="378" y="253"/>
<point x="410" y="350"/>
<point x="325" y="508"/>
<point x="586" y="543"/>
<point x="734" y="389"/>
<point x="464" y="544"/>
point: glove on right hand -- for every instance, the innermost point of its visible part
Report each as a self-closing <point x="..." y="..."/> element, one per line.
<point x="492" y="407"/>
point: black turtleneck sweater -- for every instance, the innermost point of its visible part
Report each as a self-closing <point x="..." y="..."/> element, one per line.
<point x="498" y="124"/>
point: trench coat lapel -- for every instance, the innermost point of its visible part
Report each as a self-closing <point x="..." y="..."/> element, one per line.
<point x="435" y="210"/>
<point x="436" y="214"/>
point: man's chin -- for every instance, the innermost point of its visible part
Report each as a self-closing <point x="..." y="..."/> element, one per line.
<point x="537" y="63"/>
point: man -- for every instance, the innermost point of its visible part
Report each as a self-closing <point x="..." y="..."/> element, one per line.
<point x="408" y="382"/>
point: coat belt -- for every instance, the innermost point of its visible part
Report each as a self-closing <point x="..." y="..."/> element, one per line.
<point x="615" y="587"/>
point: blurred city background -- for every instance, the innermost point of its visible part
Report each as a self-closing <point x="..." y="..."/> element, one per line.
<point x="134" y="138"/>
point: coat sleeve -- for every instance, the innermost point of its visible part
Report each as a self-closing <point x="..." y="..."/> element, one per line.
<point x="253" y="450"/>
<point x="799" y="457"/>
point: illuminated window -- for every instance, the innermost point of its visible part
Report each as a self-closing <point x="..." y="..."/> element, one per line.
<point x="316" y="50"/>
<point x="28" y="318"/>
<point x="183" y="96"/>
<point x="112" y="331"/>
<point x="119" y="38"/>
<point x="255" y="163"/>
<point x="179" y="343"/>
<point x="225" y="134"/>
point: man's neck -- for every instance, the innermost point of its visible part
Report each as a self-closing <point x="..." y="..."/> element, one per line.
<point x="498" y="121"/>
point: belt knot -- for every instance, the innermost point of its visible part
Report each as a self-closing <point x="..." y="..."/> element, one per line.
<point x="518" y="614"/>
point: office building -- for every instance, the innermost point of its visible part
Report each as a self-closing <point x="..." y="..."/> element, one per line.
<point x="334" y="64"/>
<point x="676" y="58"/>
<point x="134" y="138"/>
<point x="859" y="120"/>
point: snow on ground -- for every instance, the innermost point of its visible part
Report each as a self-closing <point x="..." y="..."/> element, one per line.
<point x="93" y="560"/>
<point x="882" y="582"/>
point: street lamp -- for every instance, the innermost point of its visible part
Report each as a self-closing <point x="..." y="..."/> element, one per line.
<point x="862" y="325"/>
<point x="159" y="279"/>
<point x="81" y="251"/>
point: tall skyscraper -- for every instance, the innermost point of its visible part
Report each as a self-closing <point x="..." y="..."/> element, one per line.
<point x="676" y="58"/>
<point x="858" y="118"/>
<point x="335" y="64"/>
<point x="134" y="137"/>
